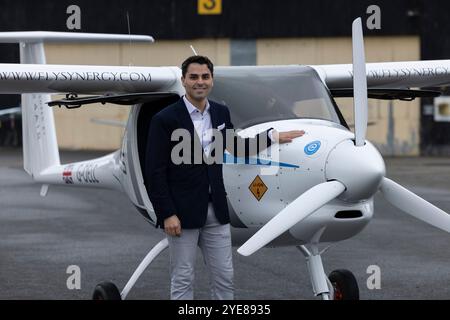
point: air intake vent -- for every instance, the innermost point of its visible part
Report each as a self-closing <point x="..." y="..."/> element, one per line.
<point x="350" y="214"/>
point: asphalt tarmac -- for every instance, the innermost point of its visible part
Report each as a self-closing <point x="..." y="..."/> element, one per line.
<point x="100" y="232"/>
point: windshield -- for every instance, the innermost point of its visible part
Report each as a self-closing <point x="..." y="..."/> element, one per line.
<point x="261" y="94"/>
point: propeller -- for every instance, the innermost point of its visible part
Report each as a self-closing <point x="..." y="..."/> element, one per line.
<point x="414" y="205"/>
<point x="295" y="212"/>
<point x="359" y="83"/>
<point x="394" y="193"/>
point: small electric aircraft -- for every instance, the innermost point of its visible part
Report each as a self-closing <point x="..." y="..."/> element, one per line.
<point x="317" y="190"/>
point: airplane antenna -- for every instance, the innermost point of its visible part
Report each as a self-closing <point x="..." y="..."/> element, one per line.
<point x="193" y="50"/>
<point x="129" y="33"/>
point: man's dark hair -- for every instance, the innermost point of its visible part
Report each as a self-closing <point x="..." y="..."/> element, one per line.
<point x="199" y="60"/>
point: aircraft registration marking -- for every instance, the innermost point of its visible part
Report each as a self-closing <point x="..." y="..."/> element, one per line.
<point x="67" y="174"/>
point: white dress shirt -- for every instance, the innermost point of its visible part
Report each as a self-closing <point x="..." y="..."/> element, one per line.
<point x="202" y="123"/>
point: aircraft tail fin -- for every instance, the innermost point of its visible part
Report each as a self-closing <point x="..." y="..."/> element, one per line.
<point x="40" y="146"/>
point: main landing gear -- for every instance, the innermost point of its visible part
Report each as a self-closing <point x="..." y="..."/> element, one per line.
<point x="108" y="290"/>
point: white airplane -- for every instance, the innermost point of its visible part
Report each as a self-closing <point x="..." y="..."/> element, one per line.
<point x="324" y="184"/>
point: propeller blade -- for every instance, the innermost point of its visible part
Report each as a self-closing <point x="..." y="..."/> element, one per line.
<point x="295" y="212"/>
<point x="414" y="205"/>
<point x="359" y="83"/>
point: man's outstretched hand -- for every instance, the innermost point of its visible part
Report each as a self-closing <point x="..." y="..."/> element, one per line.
<point x="287" y="136"/>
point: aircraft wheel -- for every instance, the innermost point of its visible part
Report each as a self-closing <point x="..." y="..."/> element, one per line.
<point x="344" y="284"/>
<point x="106" y="291"/>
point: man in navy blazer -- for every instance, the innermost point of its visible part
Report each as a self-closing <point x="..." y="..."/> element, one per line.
<point x="189" y="198"/>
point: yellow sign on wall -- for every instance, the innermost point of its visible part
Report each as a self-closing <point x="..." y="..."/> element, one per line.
<point x="209" y="7"/>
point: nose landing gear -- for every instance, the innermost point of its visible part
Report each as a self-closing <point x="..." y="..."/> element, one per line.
<point x="344" y="285"/>
<point x="340" y="285"/>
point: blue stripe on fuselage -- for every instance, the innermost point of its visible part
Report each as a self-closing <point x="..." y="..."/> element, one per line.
<point x="230" y="159"/>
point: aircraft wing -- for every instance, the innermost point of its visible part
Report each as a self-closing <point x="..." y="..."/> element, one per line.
<point x="67" y="37"/>
<point x="407" y="74"/>
<point x="8" y="111"/>
<point x="34" y="76"/>
<point x="39" y="78"/>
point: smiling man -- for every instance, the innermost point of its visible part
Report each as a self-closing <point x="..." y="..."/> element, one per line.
<point x="189" y="199"/>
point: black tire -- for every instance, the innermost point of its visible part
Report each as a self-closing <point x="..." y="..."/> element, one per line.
<point x="106" y="291"/>
<point x="345" y="285"/>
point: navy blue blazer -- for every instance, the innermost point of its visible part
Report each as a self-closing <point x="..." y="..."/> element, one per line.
<point x="183" y="189"/>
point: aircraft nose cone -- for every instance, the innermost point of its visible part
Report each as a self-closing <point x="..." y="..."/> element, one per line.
<point x="360" y="169"/>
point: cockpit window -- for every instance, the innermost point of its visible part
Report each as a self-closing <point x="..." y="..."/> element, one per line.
<point x="256" y="95"/>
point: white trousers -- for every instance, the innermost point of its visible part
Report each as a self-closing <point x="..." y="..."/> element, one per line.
<point x="214" y="240"/>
